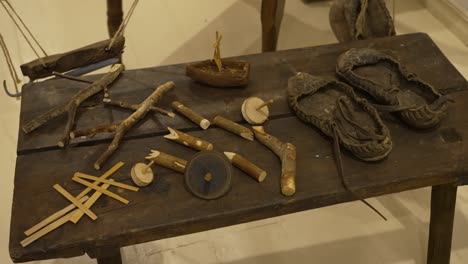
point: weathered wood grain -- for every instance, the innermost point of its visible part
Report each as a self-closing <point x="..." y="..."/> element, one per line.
<point x="419" y="159"/>
<point x="268" y="79"/>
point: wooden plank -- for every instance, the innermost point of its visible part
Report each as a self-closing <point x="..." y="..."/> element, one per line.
<point x="111" y="182"/>
<point x="269" y="77"/>
<point x="53" y="217"/>
<point x="165" y="209"/>
<point x="78" y="214"/>
<point x="101" y="190"/>
<point x="75" y="201"/>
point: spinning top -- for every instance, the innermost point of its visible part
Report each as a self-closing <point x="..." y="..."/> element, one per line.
<point x="208" y="175"/>
<point x="255" y="110"/>
<point x="142" y="174"/>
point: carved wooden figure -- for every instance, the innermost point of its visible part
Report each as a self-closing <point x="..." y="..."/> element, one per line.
<point x="188" y="140"/>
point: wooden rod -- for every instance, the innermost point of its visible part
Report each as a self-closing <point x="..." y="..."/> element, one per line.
<point x="78" y="214"/>
<point x="106" y="175"/>
<point x="75" y="201"/>
<point x="53" y="217"/>
<point x="117" y="184"/>
<point x="100" y="189"/>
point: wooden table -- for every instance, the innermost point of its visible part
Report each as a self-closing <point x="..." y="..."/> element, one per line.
<point x="165" y="209"/>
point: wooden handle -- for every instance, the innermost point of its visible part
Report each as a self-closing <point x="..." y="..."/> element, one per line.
<point x="167" y="161"/>
<point x="188" y="140"/>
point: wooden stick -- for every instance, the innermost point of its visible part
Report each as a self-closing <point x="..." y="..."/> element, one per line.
<point x="68" y="77"/>
<point x="71" y="106"/>
<point x="128" y="123"/>
<point x="75" y="201"/>
<point x="91" y="132"/>
<point x="77" y="215"/>
<point x="100" y="189"/>
<point x="246" y="166"/>
<point x="114" y="183"/>
<point x="167" y="161"/>
<point x="52" y="226"/>
<point x="106" y="175"/>
<point x="233" y="127"/>
<point x="134" y="107"/>
<point x="188" y="140"/>
<point x="53" y="217"/>
<point x="269" y="102"/>
<point x="190" y="114"/>
<point x="287" y="153"/>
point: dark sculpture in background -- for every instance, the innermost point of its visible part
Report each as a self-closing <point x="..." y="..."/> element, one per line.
<point x="361" y="19"/>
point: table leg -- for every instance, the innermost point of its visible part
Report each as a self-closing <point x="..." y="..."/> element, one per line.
<point x="114" y="16"/>
<point x="113" y="257"/>
<point x="443" y="200"/>
<point x="271" y="16"/>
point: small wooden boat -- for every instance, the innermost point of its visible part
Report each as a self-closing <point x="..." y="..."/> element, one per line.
<point x="218" y="72"/>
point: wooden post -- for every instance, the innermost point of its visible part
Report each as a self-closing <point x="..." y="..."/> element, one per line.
<point x="113" y="256"/>
<point x="271" y="15"/>
<point x="443" y="200"/>
<point x="114" y="16"/>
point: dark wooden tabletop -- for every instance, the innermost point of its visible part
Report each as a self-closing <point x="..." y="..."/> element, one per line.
<point x="165" y="208"/>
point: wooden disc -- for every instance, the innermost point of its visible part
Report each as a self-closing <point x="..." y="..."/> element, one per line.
<point x="141" y="175"/>
<point x="208" y="175"/>
<point x="250" y="112"/>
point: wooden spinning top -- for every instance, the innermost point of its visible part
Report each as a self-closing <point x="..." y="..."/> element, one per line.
<point x="208" y="175"/>
<point x="142" y="174"/>
<point x="255" y="111"/>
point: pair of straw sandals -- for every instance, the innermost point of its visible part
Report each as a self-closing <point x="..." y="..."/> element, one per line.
<point x="353" y="122"/>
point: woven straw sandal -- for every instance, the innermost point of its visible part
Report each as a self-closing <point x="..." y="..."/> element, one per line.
<point x="383" y="77"/>
<point x="333" y="107"/>
<point x="360" y="19"/>
<point x="351" y="121"/>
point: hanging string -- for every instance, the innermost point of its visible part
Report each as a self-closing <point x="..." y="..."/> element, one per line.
<point x="26" y="27"/>
<point x="11" y="68"/>
<point x="124" y="23"/>
<point x="22" y="32"/>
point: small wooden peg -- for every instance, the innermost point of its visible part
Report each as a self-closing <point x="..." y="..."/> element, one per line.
<point x="142" y="174"/>
<point x="255" y="111"/>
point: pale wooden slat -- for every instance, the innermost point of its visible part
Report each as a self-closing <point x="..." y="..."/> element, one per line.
<point x="100" y="189"/>
<point x="117" y="184"/>
<point x="72" y="199"/>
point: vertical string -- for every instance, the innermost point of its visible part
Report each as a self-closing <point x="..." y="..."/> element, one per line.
<point x="22" y="33"/>
<point x="26" y="27"/>
<point x="11" y="68"/>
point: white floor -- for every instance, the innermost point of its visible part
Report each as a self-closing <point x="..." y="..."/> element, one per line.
<point x="172" y="31"/>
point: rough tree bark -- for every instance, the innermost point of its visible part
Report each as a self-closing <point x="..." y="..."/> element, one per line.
<point x="167" y="161"/>
<point x="71" y="106"/>
<point x="134" y="107"/>
<point x="128" y="123"/>
<point x="190" y="114"/>
<point x="246" y="166"/>
<point x="233" y="127"/>
<point x="188" y="140"/>
<point x="287" y="153"/>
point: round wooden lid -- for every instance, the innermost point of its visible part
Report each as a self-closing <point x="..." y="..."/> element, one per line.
<point x="141" y="174"/>
<point x="208" y="175"/>
<point x="252" y="113"/>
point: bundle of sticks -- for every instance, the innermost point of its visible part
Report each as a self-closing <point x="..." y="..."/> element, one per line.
<point x="80" y="204"/>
